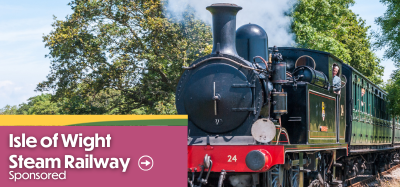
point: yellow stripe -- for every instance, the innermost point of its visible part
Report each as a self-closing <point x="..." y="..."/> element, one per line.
<point x="62" y="120"/>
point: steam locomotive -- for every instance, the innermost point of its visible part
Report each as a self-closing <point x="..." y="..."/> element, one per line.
<point x="261" y="116"/>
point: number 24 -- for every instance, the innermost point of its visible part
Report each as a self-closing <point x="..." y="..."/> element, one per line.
<point x="232" y="158"/>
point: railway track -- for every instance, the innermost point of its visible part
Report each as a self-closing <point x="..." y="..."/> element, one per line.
<point x="373" y="180"/>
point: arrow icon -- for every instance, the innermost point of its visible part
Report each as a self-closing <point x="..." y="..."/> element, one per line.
<point x="145" y="163"/>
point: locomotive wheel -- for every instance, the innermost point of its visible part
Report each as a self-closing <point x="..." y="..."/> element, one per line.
<point x="275" y="182"/>
<point x="375" y="168"/>
<point x="322" y="176"/>
<point x="288" y="178"/>
<point x="294" y="176"/>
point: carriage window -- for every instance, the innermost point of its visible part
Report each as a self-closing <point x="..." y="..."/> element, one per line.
<point x="359" y="97"/>
<point x="380" y="105"/>
<point x="384" y="107"/>
<point x="376" y="104"/>
<point x="369" y="99"/>
<point x="355" y="96"/>
<point x="305" y="61"/>
<point x="363" y="103"/>
<point x="367" y="102"/>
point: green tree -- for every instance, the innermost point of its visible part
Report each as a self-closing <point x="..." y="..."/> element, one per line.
<point x="126" y="47"/>
<point x="103" y="102"/>
<point x="393" y="88"/>
<point x="389" y="37"/>
<point x="40" y="104"/>
<point x="331" y="26"/>
<point x="9" y="110"/>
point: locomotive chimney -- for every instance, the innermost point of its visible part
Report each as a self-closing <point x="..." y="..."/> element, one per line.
<point x="224" y="27"/>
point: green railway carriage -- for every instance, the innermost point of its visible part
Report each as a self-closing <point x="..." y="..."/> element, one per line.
<point x="396" y="138"/>
<point x="371" y="125"/>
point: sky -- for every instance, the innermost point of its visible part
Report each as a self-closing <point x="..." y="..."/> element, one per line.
<point x="369" y="10"/>
<point x="22" y="53"/>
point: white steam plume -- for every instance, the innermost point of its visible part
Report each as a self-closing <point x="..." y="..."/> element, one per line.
<point x="269" y="14"/>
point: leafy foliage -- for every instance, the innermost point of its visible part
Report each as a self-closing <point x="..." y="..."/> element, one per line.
<point x="40" y="104"/>
<point x="9" y="110"/>
<point x="331" y="26"/>
<point x="390" y="30"/>
<point x="126" y="53"/>
<point x="393" y="88"/>
<point x="389" y="38"/>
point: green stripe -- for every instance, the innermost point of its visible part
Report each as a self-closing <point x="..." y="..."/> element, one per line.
<point x="156" y="122"/>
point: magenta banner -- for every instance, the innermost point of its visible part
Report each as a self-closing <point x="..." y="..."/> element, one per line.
<point x="93" y="156"/>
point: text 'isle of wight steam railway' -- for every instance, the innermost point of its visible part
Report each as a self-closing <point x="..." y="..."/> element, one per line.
<point x="280" y="116"/>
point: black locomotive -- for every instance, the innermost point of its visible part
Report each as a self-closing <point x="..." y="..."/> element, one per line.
<point x="261" y="116"/>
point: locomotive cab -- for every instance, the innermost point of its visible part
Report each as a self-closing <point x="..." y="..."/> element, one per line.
<point x="316" y="113"/>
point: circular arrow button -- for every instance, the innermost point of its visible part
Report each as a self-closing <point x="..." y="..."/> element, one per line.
<point x="145" y="163"/>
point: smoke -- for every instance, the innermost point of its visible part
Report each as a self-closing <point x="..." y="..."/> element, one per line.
<point x="269" y="14"/>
